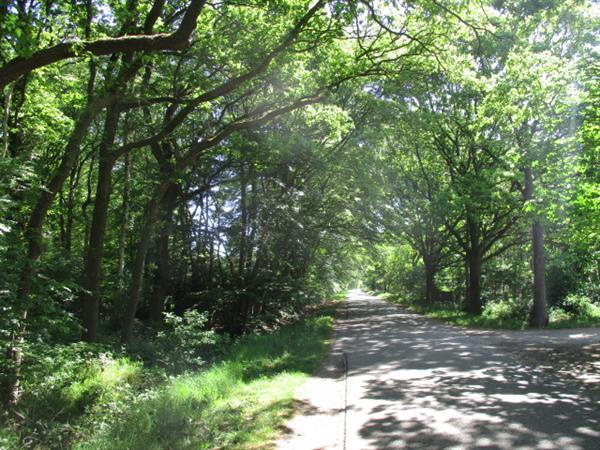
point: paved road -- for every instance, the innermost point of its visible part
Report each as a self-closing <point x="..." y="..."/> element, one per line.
<point x="415" y="383"/>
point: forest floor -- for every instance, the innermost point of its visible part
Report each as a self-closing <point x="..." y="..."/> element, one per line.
<point x="396" y="379"/>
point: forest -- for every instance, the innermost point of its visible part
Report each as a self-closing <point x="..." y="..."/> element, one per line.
<point x="187" y="186"/>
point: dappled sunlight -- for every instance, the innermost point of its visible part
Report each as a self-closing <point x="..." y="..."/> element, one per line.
<point x="188" y="188"/>
<point x="413" y="383"/>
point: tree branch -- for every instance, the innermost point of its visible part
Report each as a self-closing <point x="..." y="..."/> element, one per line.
<point x="224" y="88"/>
<point x="177" y="40"/>
<point x="230" y="128"/>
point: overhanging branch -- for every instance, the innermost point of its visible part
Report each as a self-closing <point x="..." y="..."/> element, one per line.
<point x="177" y="40"/>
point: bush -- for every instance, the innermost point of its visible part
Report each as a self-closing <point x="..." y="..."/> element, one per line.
<point x="558" y="315"/>
<point x="191" y="339"/>
<point x="68" y="390"/>
<point x="507" y="311"/>
<point x="183" y="343"/>
<point x="576" y="305"/>
<point x="575" y="310"/>
<point x="563" y="276"/>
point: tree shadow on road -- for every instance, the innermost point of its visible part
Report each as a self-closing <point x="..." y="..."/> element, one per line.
<point x="426" y="385"/>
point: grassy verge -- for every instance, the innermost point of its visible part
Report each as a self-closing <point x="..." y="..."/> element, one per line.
<point x="240" y="401"/>
<point x="499" y="316"/>
<point x="559" y="319"/>
<point x="237" y="403"/>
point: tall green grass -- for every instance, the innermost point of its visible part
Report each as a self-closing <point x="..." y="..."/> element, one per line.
<point x="239" y="402"/>
<point x="95" y="396"/>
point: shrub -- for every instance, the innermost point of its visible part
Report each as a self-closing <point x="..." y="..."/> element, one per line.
<point x="558" y="315"/>
<point x="576" y="305"/>
<point x="188" y="342"/>
<point x="507" y="311"/>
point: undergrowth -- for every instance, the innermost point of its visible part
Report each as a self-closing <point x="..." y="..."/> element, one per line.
<point x="576" y="312"/>
<point x="93" y="397"/>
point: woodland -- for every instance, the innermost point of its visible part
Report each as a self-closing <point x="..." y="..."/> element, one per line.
<point x="186" y="185"/>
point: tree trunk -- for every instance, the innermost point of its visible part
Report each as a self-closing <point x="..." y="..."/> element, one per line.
<point x="251" y="220"/>
<point x="124" y="221"/>
<point x="475" y="262"/>
<point x="73" y="183"/>
<point x="430" y="271"/>
<point x="18" y="95"/>
<point x="466" y="272"/>
<point x="5" y="119"/>
<point x="12" y="388"/>
<point x="162" y="279"/>
<point x="244" y="225"/>
<point x="539" y="312"/>
<point x="539" y="317"/>
<point x="137" y="276"/>
<point x="474" y="286"/>
<point x="34" y="229"/>
<point x="93" y="258"/>
<point x="121" y="290"/>
<point x="34" y="237"/>
<point x="33" y="234"/>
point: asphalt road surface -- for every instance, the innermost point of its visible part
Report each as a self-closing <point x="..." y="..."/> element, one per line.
<point x="395" y="379"/>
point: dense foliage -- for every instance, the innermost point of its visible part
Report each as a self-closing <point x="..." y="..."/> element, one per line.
<point x="175" y="174"/>
<point x="488" y="165"/>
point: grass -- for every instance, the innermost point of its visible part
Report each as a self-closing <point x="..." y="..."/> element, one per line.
<point x="503" y="316"/>
<point x="240" y="402"/>
<point x="560" y="319"/>
<point x="91" y="396"/>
